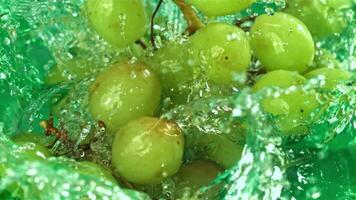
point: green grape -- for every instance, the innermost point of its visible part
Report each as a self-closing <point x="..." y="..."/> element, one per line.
<point x="171" y="65"/>
<point x="323" y="18"/>
<point x="332" y="77"/>
<point x="341" y="4"/>
<point x="213" y="8"/>
<point x="31" y="146"/>
<point x="282" y="41"/>
<point x="119" y="22"/>
<point x="148" y="150"/>
<point x="134" y="194"/>
<point x="2" y="169"/>
<point x="74" y="69"/>
<point x="195" y="175"/>
<point x="93" y="169"/>
<point x="124" y="92"/>
<point x="293" y="106"/>
<point x="324" y="58"/>
<point x="31" y="137"/>
<point x="222" y="51"/>
<point x="32" y="150"/>
<point x="220" y="149"/>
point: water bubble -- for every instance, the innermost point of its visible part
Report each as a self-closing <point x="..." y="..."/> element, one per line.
<point x="7" y="41"/>
<point x="2" y="75"/>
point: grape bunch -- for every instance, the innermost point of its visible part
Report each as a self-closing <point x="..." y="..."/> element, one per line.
<point x="128" y="97"/>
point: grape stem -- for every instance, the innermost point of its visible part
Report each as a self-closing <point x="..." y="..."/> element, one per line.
<point x="49" y="129"/>
<point x="153" y="42"/>
<point x="76" y="151"/>
<point x="142" y="44"/>
<point x="190" y="15"/>
<point x="254" y="73"/>
<point x="124" y="182"/>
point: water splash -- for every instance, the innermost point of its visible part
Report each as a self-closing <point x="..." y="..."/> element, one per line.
<point x="271" y="167"/>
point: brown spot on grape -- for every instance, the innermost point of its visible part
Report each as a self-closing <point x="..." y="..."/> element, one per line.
<point x="95" y="86"/>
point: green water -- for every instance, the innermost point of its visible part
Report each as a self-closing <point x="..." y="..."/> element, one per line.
<point x="34" y="36"/>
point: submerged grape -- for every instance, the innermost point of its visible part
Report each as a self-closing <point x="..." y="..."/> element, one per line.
<point x="220" y="149"/>
<point x="171" y="65"/>
<point x="93" y="169"/>
<point x="291" y="105"/>
<point x="323" y="18"/>
<point x="195" y="175"/>
<point x="332" y="77"/>
<point x="75" y="69"/>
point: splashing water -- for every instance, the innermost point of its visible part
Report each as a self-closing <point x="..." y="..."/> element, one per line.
<point x="35" y="36"/>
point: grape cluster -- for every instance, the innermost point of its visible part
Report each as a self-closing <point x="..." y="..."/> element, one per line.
<point x="129" y="95"/>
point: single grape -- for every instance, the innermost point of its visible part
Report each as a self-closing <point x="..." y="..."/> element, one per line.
<point x="323" y="18"/>
<point x="119" y="22"/>
<point x="171" y="65"/>
<point x="33" y="151"/>
<point x="134" y="194"/>
<point x="324" y="58"/>
<point x="31" y="137"/>
<point x="148" y="150"/>
<point x="29" y="146"/>
<point x="282" y="41"/>
<point x="2" y="169"/>
<point x="213" y="8"/>
<point x="221" y="51"/>
<point x="74" y="69"/>
<point x="124" y="92"/>
<point x="332" y="77"/>
<point x="291" y="105"/>
<point x="220" y="149"/>
<point x="96" y="170"/>
<point x="339" y="3"/>
<point x="93" y="169"/>
<point x="195" y="175"/>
